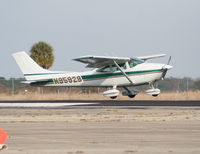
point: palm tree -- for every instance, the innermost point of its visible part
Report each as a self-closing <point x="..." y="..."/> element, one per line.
<point x="42" y="53"/>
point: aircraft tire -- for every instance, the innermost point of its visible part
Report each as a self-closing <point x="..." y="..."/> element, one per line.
<point x="114" y="97"/>
<point x="155" y="95"/>
<point x="131" y="96"/>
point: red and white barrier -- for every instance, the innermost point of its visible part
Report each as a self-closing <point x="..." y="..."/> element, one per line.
<point x="3" y="136"/>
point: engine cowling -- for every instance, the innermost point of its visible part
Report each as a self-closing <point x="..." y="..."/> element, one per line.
<point x="111" y="93"/>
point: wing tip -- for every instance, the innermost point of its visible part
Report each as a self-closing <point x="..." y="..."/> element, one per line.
<point x="152" y="56"/>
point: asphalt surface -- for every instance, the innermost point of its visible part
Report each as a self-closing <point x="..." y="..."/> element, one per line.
<point x="99" y="103"/>
<point x="101" y="131"/>
<point x="96" y="127"/>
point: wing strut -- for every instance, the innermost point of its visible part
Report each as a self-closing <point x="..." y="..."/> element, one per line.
<point x="123" y="72"/>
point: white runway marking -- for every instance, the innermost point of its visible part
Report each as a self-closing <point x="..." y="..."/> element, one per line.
<point x="41" y="104"/>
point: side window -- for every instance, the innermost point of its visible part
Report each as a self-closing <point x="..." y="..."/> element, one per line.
<point x="112" y="68"/>
<point x="115" y="68"/>
<point x="131" y="64"/>
<point x="122" y="66"/>
<point x="105" y="69"/>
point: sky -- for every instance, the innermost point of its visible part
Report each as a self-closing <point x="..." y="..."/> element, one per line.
<point x="127" y="28"/>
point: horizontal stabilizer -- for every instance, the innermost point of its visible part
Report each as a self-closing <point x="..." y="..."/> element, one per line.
<point x="37" y="83"/>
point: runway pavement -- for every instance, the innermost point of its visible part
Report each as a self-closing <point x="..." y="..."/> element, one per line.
<point x="105" y="126"/>
<point x="101" y="130"/>
<point x="99" y="104"/>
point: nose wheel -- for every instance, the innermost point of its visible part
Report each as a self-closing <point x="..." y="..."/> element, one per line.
<point x="153" y="91"/>
<point x="155" y="95"/>
<point x="114" y="97"/>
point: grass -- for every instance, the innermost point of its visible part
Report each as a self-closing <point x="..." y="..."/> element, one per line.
<point x="190" y="95"/>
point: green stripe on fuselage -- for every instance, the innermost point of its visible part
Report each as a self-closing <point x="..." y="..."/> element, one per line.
<point x="96" y="76"/>
<point x="42" y="74"/>
<point x="99" y="76"/>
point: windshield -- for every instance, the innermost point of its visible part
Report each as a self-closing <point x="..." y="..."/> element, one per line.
<point x="135" y="61"/>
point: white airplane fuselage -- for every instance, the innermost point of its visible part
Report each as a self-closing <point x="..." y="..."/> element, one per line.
<point x="141" y="74"/>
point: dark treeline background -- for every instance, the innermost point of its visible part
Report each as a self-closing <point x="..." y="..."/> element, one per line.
<point x="169" y="84"/>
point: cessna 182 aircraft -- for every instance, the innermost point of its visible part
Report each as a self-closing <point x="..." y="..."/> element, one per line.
<point x="107" y="71"/>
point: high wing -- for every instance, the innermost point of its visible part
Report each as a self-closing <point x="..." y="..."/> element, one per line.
<point x="151" y="57"/>
<point x="100" y="61"/>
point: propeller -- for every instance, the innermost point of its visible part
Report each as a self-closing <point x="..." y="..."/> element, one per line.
<point x="169" y="60"/>
<point x="165" y="69"/>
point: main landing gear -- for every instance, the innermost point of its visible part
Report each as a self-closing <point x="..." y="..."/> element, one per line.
<point x="129" y="93"/>
<point x="131" y="96"/>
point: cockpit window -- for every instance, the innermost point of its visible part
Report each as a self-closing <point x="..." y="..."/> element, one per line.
<point x="122" y="66"/>
<point x="105" y="69"/>
<point x="112" y="68"/>
<point x="134" y="62"/>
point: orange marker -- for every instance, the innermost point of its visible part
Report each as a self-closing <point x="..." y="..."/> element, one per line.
<point x="3" y="136"/>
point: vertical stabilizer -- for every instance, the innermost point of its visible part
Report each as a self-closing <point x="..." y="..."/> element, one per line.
<point x="27" y="64"/>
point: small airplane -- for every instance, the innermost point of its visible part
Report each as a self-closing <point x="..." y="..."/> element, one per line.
<point x="113" y="72"/>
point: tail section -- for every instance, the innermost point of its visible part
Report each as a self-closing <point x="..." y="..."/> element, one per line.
<point x="27" y="65"/>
